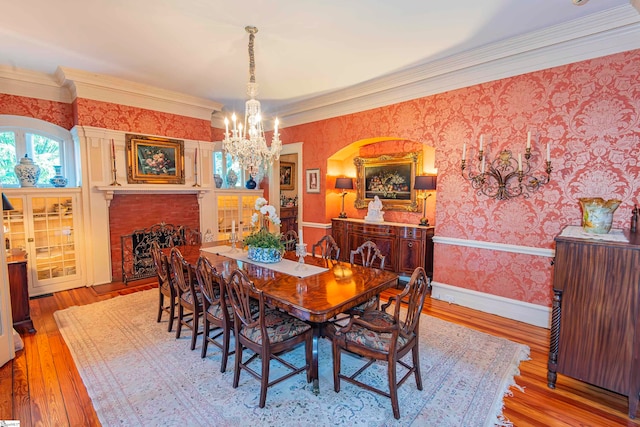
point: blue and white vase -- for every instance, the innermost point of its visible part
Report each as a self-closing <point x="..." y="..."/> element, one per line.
<point x="58" y="180"/>
<point x="232" y="178"/>
<point x="266" y="255"/>
<point x="27" y="172"/>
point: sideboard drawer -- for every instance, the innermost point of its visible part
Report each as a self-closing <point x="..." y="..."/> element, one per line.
<point x="374" y="229"/>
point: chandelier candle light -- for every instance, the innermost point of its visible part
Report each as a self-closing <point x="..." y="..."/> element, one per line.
<point x="247" y="143"/>
<point x="505" y="177"/>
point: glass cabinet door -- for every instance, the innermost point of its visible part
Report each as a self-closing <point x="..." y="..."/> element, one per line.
<point x="235" y="207"/>
<point x="53" y="235"/>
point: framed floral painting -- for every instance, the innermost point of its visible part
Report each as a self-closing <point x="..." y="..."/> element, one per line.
<point x="153" y="160"/>
<point x="391" y="178"/>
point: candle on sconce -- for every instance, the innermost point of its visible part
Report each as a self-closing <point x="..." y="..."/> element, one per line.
<point x="275" y="131"/>
<point x="481" y="141"/>
<point x="519" y="162"/>
<point x="226" y="125"/>
<point x="529" y="140"/>
<point x="464" y="151"/>
<point x="548" y="153"/>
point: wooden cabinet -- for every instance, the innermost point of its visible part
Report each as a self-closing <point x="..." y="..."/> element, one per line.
<point x="289" y="219"/>
<point x="406" y="246"/>
<point x="44" y="223"/>
<point x="19" y="289"/>
<point x="595" y="333"/>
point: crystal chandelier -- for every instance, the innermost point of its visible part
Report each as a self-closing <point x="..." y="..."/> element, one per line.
<point x="247" y="143"/>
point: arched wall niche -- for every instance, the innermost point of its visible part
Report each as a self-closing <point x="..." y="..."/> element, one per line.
<point x="340" y="164"/>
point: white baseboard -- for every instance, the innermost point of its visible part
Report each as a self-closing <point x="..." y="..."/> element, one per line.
<point x="532" y="314"/>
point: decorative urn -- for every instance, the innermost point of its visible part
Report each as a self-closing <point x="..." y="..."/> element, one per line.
<point x="58" y="180"/>
<point x="27" y="172"/>
<point x="597" y="214"/>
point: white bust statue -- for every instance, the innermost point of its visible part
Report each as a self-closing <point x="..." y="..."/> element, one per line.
<point x="375" y="213"/>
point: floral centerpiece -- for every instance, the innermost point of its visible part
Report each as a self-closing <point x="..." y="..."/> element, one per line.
<point x="263" y="245"/>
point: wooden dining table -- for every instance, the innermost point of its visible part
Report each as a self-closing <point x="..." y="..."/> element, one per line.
<point x="315" y="299"/>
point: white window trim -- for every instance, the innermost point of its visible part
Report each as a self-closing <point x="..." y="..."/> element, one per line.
<point x="21" y="125"/>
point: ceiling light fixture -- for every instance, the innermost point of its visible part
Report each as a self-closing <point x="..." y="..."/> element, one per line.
<point x="247" y="143"/>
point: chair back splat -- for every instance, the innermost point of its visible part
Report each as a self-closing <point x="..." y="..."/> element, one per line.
<point x="327" y="247"/>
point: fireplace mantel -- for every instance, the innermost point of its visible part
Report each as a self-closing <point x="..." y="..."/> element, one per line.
<point x="110" y="190"/>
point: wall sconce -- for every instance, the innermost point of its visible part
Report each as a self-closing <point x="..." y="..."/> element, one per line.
<point x="426" y="183"/>
<point x="344" y="184"/>
<point x="504" y="177"/>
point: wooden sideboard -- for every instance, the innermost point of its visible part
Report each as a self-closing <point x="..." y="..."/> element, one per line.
<point x="406" y="246"/>
<point x="19" y="289"/>
<point x="595" y="326"/>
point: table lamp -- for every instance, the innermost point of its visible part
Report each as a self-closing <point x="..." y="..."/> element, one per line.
<point x="344" y="184"/>
<point x="425" y="183"/>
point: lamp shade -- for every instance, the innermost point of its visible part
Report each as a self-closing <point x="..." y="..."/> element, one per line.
<point x="425" y="182"/>
<point x="344" y="183"/>
<point x="6" y="204"/>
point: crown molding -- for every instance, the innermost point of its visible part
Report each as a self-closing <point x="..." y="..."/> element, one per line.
<point x="83" y="84"/>
<point x="613" y="31"/>
<point x="32" y="84"/>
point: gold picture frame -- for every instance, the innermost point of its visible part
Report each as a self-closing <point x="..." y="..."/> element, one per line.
<point x="154" y="160"/>
<point x="287" y="176"/>
<point x="389" y="177"/>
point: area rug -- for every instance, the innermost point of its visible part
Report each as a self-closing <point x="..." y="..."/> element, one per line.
<point x="137" y="373"/>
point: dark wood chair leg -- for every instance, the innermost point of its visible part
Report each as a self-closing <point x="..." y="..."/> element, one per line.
<point x="393" y="388"/>
<point x="264" y="380"/>
<point x="416" y="365"/>
<point x="195" y="322"/>
<point x="180" y="320"/>
<point x="336" y="367"/>
<point x="172" y="315"/>
<point x="205" y="337"/>
<point x="160" y="307"/>
<point x="225" y="350"/>
<point x="236" y="370"/>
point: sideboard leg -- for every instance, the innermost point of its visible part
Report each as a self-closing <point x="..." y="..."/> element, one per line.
<point x="554" y="340"/>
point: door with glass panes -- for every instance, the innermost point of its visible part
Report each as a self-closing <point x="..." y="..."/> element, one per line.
<point x="44" y="225"/>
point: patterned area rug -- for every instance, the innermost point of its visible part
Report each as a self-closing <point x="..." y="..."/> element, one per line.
<point x="137" y="373"/>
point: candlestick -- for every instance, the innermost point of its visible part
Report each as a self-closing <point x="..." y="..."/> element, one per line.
<point x="529" y="140"/>
<point x="233" y="226"/>
<point x="113" y="169"/>
<point x="195" y="168"/>
<point x="300" y="236"/>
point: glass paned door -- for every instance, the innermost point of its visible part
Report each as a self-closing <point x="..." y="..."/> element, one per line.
<point x="53" y="237"/>
<point x="238" y="208"/>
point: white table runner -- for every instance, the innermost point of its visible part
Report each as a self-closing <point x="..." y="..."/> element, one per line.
<point x="286" y="266"/>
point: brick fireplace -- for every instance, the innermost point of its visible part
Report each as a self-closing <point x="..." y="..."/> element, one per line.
<point x="129" y="212"/>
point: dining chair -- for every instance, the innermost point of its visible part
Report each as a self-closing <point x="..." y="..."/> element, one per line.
<point x="290" y="239"/>
<point x="268" y="333"/>
<point x="189" y="298"/>
<point x="165" y="287"/>
<point x="328" y="247"/>
<point x="217" y="313"/>
<point x="378" y="335"/>
<point x="368" y="254"/>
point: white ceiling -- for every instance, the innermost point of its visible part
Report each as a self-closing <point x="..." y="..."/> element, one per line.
<point x="304" y="48"/>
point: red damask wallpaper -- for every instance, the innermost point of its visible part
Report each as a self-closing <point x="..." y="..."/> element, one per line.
<point x="589" y="113"/>
<point x="131" y="119"/>
<point x="57" y="113"/>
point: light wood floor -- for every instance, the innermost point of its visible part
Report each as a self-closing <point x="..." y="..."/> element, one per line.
<point x="42" y="387"/>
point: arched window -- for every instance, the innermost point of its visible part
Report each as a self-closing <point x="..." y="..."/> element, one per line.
<point x="47" y="144"/>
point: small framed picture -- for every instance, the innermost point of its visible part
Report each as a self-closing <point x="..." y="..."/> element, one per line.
<point x="313" y="180"/>
<point x="287" y="176"/>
